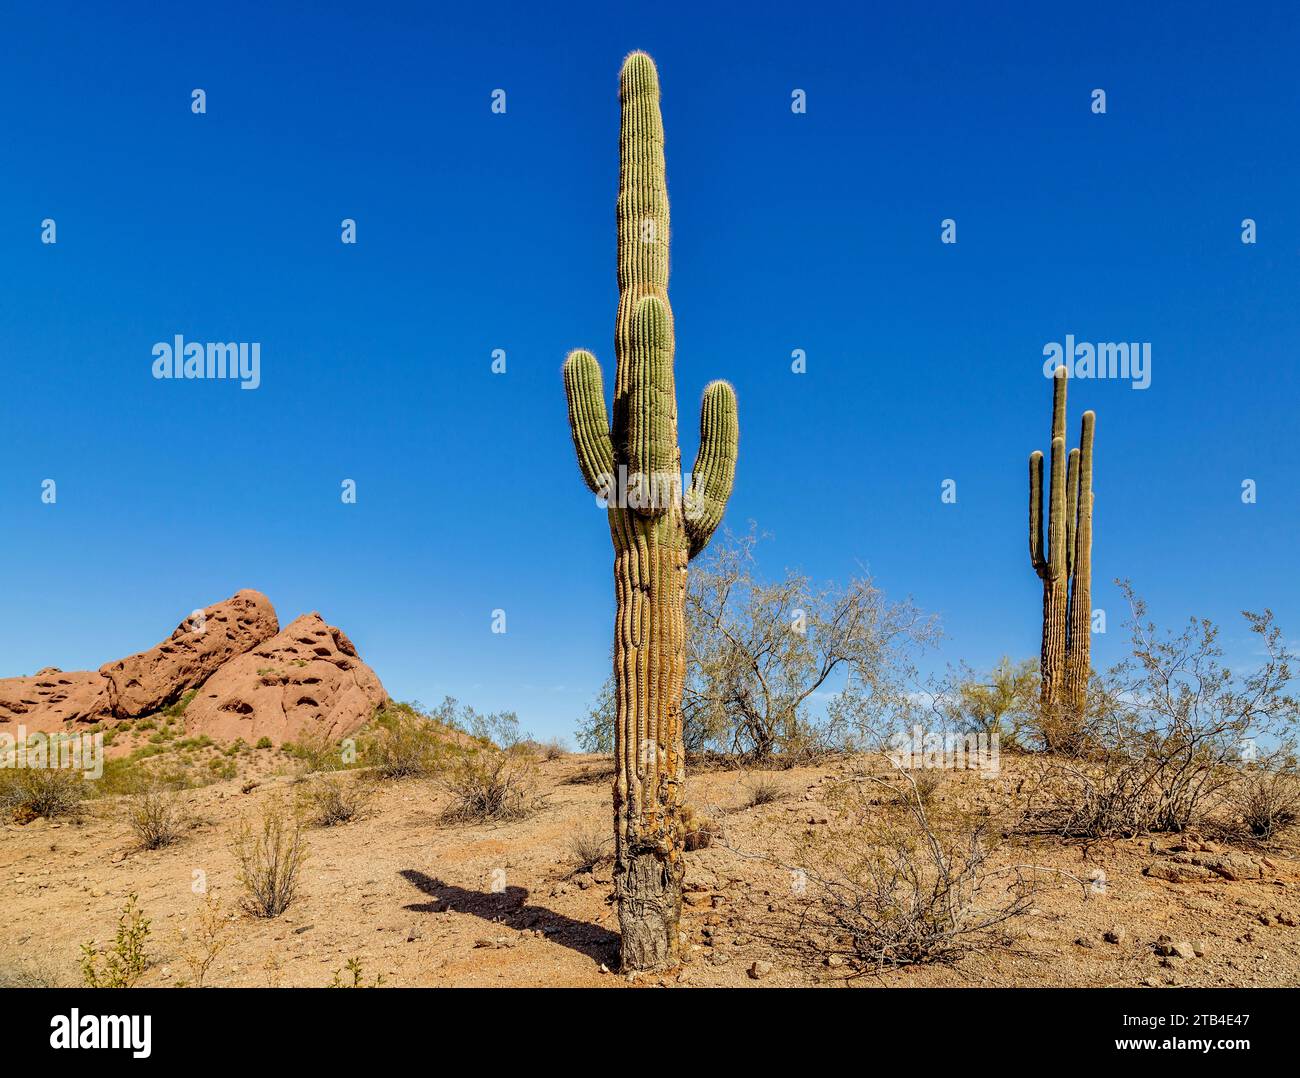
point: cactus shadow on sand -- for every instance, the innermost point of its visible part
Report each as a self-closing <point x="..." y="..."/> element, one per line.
<point x="509" y="908"/>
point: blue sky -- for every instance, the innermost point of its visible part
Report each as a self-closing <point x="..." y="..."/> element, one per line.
<point x="479" y="231"/>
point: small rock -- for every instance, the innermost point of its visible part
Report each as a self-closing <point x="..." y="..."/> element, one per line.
<point x="760" y="969"/>
<point x="1115" y="934"/>
<point x="834" y="961"/>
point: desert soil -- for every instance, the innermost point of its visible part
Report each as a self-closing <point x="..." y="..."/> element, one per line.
<point x="423" y="903"/>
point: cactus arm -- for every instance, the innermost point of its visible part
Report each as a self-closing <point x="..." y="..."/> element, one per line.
<point x="1056" y="512"/>
<point x="1071" y="508"/>
<point x="1056" y="560"/>
<point x="1036" y="558"/>
<point x="588" y="423"/>
<point x="1059" y="379"/>
<point x="715" y="464"/>
<point x="1084" y="532"/>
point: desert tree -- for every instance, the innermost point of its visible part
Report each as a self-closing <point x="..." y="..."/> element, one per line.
<point x="782" y="670"/>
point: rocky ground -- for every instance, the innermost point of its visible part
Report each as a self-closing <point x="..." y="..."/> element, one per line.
<point x="417" y="901"/>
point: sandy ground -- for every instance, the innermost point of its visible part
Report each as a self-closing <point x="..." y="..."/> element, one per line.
<point x="420" y="902"/>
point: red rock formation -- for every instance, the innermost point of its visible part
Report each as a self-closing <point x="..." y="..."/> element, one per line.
<point x="198" y="647"/>
<point x="306" y="680"/>
<point x="251" y="682"/>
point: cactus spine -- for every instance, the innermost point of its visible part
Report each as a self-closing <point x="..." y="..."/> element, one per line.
<point x="1065" y="567"/>
<point x="653" y="537"/>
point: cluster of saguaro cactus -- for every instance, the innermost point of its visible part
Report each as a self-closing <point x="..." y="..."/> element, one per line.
<point x="1065" y="567"/>
<point x="654" y="537"/>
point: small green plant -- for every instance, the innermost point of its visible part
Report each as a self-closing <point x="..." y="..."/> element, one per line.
<point x="223" y="769"/>
<point x="353" y="966"/>
<point x="122" y="965"/>
<point x="270" y="858"/>
<point x="263" y="743"/>
<point x="177" y="710"/>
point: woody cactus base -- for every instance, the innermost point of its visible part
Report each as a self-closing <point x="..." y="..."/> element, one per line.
<point x="654" y="536"/>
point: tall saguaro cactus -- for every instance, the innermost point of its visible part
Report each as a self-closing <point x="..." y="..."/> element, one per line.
<point x="1065" y="567"/>
<point x="631" y="465"/>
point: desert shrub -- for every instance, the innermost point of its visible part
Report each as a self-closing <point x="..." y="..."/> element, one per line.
<point x="921" y="783"/>
<point x="263" y="743"/>
<point x="698" y="830"/>
<point x="553" y="749"/>
<point x="211" y="935"/>
<point x="220" y="770"/>
<point x="29" y="792"/>
<point x="1166" y="731"/>
<point x="1267" y="800"/>
<point x="123" y="964"/>
<point x="498" y="729"/>
<point x="313" y="754"/>
<point x="760" y="789"/>
<point x="157" y="816"/>
<point x="890" y="882"/>
<point x="177" y="709"/>
<point x="490" y="784"/>
<point x="404" y="743"/>
<point x="270" y="857"/>
<point x="590" y="775"/>
<point x="330" y="800"/>
<point x="588" y="848"/>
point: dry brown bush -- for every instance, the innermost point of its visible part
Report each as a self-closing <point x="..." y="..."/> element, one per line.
<point x="270" y="857"/>
<point x="488" y="784"/>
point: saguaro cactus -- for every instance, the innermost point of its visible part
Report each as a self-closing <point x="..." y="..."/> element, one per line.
<point x="635" y="466"/>
<point x="1065" y="567"/>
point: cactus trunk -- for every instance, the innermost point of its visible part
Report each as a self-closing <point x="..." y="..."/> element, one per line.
<point x="1065" y="568"/>
<point x="1078" y="652"/>
<point x="655" y="531"/>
